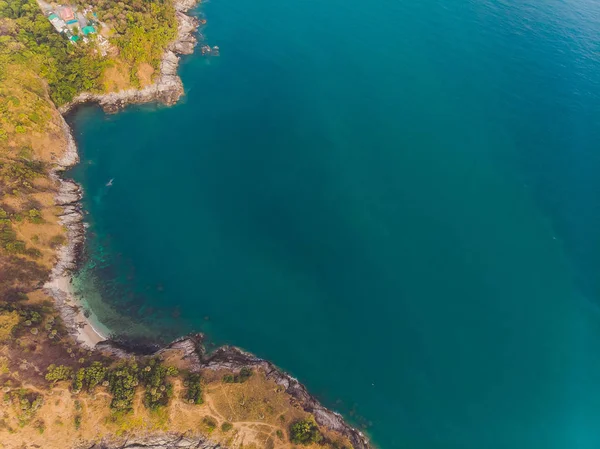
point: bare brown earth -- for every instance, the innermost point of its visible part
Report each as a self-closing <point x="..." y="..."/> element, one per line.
<point x="145" y="74"/>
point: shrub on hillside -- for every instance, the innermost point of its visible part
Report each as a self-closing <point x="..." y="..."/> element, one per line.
<point x="241" y="377"/>
<point x="58" y="373"/>
<point x="158" y="389"/>
<point x="122" y="382"/>
<point x="194" y="389"/>
<point x="305" y="432"/>
<point x="209" y="423"/>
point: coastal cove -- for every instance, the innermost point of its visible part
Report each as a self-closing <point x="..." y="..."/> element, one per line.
<point x="167" y="89"/>
<point x="389" y="212"/>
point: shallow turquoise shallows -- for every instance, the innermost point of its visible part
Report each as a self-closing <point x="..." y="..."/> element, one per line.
<point x="396" y="201"/>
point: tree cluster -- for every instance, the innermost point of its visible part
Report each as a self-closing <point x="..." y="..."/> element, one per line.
<point x="122" y="381"/>
<point x="239" y="378"/>
<point x="90" y="377"/>
<point x="305" y="432"/>
<point x="30" y="39"/>
<point x="193" y="393"/>
<point x="154" y="378"/>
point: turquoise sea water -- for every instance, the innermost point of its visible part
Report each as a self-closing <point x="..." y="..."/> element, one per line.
<point x="397" y="202"/>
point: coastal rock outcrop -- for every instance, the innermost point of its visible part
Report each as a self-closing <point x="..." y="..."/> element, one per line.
<point x="231" y="358"/>
<point x="168" y="88"/>
<point x="154" y="441"/>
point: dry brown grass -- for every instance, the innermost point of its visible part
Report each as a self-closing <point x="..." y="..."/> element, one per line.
<point x="117" y="77"/>
<point x="145" y="74"/>
<point x="8" y="320"/>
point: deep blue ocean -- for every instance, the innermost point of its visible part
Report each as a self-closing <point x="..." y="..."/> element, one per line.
<point x="396" y="201"/>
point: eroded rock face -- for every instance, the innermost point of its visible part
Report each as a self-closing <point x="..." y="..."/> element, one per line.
<point x="186" y="40"/>
<point x="191" y="348"/>
<point x="155" y="441"/>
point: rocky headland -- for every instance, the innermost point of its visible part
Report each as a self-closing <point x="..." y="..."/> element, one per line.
<point x="168" y="87"/>
<point x="233" y="359"/>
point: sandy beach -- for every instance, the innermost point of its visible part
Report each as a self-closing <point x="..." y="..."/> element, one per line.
<point x="62" y="291"/>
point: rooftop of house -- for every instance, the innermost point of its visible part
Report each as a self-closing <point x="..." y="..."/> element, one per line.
<point x="67" y="13"/>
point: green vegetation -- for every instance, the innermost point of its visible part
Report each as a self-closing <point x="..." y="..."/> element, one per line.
<point x="146" y="33"/>
<point x="57" y="240"/>
<point x="141" y="31"/>
<point x="209" y="424"/>
<point x="58" y="373"/>
<point x="19" y="174"/>
<point x="16" y="319"/>
<point x="16" y="176"/>
<point x="241" y="377"/>
<point x="88" y="378"/>
<point x="226" y="426"/>
<point x="32" y="41"/>
<point x="142" y="28"/>
<point x="193" y="393"/>
<point x="305" y="432"/>
<point x="94" y="375"/>
<point x="125" y="378"/>
<point x="158" y="389"/>
<point x="122" y="381"/>
<point x="8" y="321"/>
<point x="35" y="216"/>
<point x="25" y="402"/>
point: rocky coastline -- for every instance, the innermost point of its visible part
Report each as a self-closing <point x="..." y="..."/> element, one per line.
<point x="167" y="90"/>
<point x="231" y="358"/>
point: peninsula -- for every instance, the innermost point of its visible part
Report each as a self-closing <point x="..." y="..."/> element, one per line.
<point x="63" y="385"/>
